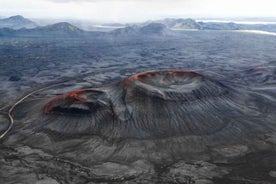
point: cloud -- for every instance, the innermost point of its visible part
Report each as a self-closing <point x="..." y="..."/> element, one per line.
<point x="67" y="1"/>
<point x="136" y="10"/>
<point x="93" y="1"/>
<point x="137" y="1"/>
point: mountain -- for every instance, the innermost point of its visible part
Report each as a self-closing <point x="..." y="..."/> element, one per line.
<point x="129" y="30"/>
<point x="17" y="22"/>
<point x="62" y="28"/>
<point x="59" y="27"/>
<point x="154" y="28"/>
<point x="180" y="23"/>
<point x="148" y="29"/>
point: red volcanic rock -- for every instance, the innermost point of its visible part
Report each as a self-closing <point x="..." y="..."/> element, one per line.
<point x="73" y="96"/>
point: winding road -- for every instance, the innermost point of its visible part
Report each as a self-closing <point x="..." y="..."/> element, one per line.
<point x="9" y="113"/>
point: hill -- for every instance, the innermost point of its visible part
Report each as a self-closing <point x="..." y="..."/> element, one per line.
<point x="58" y="29"/>
<point x="148" y="29"/>
<point x="180" y="23"/>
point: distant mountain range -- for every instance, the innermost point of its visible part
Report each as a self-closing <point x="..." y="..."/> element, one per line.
<point x="17" y="22"/>
<point x="62" y="28"/>
<point x="184" y="24"/>
<point x="20" y="26"/>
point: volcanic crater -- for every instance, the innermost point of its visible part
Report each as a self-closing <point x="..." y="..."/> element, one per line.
<point x="147" y="105"/>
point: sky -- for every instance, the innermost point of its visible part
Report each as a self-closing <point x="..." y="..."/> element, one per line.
<point x="136" y="10"/>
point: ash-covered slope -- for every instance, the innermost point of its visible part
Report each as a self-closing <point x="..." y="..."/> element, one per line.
<point x="151" y="118"/>
<point x="149" y="105"/>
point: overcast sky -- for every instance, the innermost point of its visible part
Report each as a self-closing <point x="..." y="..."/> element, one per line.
<point x="136" y="10"/>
